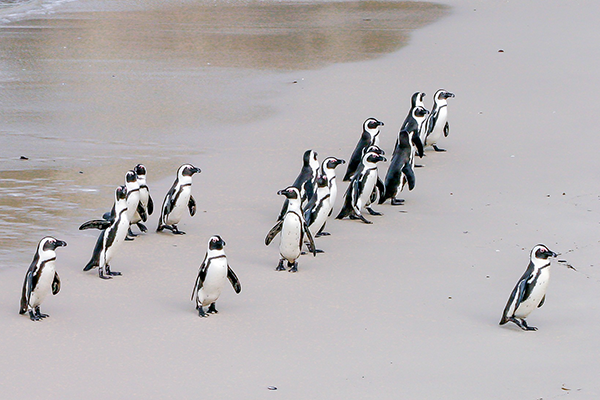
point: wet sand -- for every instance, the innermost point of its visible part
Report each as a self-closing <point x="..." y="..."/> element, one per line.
<point x="405" y="308"/>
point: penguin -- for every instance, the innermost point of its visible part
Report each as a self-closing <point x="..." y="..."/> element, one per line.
<point x="530" y="291"/>
<point x="410" y="123"/>
<point x="177" y="198"/>
<point x="293" y="228"/>
<point x="145" y="199"/>
<point x="305" y="182"/>
<point x="133" y="203"/>
<point x="370" y="136"/>
<point x="361" y="187"/>
<point x="319" y="207"/>
<point x="379" y="188"/>
<point x="212" y="274"/>
<point x="328" y="167"/>
<point x="41" y="278"/>
<point x="112" y="235"/>
<point x="400" y="170"/>
<point x="437" y="122"/>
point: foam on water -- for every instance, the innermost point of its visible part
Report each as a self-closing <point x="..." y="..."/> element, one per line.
<point x="14" y="10"/>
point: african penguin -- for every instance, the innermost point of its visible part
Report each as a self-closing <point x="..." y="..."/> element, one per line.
<point x="113" y="234"/>
<point x="293" y="228"/>
<point x="437" y="122"/>
<point x="133" y="202"/>
<point x="328" y="167"/>
<point x="530" y="291"/>
<point x="319" y="207"/>
<point x="145" y="199"/>
<point x="401" y="168"/>
<point x="370" y="136"/>
<point x="41" y="278"/>
<point x="410" y="123"/>
<point x="177" y="199"/>
<point x="213" y="273"/>
<point x="361" y="188"/>
<point x="305" y="182"/>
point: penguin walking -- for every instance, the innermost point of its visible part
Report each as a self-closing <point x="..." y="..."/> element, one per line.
<point x="145" y="202"/>
<point x="370" y="136"/>
<point x="306" y="179"/>
<point x="530" y="291"/>
<point x="176" y="200"/>
<point x="318" y="208"/>
<point x="410" y="122"/>
<point x="328" y="167"/>
<point x="41" y="278"/>
<point x="293" y="228"/>
<point x="361" y="187"/>
<point x="113" y="234"/>
<point x="133" y="203"/>
<point x="401" y="169"/>
<point x="212" y="274"/>
<point x="437" y="122"/>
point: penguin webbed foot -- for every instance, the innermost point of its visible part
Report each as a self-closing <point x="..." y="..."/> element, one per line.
<point x="322" y="234"/>
<point x="522" y="324"/>
<point x="33" y="316"/>
<point x="39" y="314"/>
<point x="177" y="231"/>
<point x="280" y="266"/>
<point x="201" y="312"/>
<point x="130" y="233"/>
<point x="438" y="149"/>
<point x="373" y="212"/>
<point x="361" y="217"/>
<point x="294" y="266"/>
<point x="212" y="309"/>
<point x="129" y="238"/>
<point x="397" y="202"/>
<point x="112" y="273"/>
<point x="142" y="227"/>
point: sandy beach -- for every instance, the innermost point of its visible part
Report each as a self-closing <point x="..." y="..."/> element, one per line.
<point x="407" y="307"/>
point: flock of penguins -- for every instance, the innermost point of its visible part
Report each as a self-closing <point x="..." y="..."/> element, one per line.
<point x="308" y="204"/>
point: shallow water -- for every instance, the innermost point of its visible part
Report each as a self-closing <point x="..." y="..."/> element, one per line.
<point x="91" y="88"/>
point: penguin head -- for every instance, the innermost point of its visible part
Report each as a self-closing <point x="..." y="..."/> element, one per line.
<point x="371" y="124"/>
<point x="417" y="99"/>
<point x="442" y="95"/>
<point x="309" y="159"/>
<point x="290" y="192"/>
<point x="542" y="252"/>
<point x="332" y="162"/>
<point x="373" y="158"/>
<point x="130" y="179"/>
<point x="373" y="149"/>
<point x="187" y="170"/>
<point x="120" y="193"/>
<point x="419" y="112"/>
<point x="140" y="170"/>
<point x="50" y="244"/>
<point x="216" y="243"/>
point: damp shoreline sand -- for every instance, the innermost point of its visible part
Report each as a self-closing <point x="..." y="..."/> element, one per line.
<point x="405" y="308"/>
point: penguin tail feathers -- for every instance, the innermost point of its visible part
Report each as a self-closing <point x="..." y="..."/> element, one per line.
<point x="504" y="320"/>
<point x="344" y="212"/>
<point x="90" y="265"/>
<point x="384" y="196"/>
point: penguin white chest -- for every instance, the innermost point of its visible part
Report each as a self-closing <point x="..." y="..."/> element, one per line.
<point x="536" y="296"/>
<point x="180" y="206"/>
<point x="132" y="202"/>
<point x="322" y="215"/>
<point x="332" y="191"/>
<point x="120" y="234"/>
<point x="370" y="181"/>
<point x="43" y="286"/>
<point x="214" y="281"/>
<point x="291" y="233"/>
<point x="438" y="128"/>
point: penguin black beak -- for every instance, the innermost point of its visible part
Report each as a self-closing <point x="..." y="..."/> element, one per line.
<point x="381" y="123"/>
<point x="340" y="161"/>
<point x="60" y="243"/>
<point x="382" y="158"/>
<point x="448" y="95"/>
<point x="196" y="170"/>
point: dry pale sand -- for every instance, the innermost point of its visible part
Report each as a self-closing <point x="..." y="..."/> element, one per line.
<point x="405" y="308"/>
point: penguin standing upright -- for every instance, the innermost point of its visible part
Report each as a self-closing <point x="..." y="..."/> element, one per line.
<point x="212" y="274"/>
<point x="530" y="291"/>
<point x="400" y="170"/>
<point x="410" y="123"/>
<point x="328" y="167"/>
<point x="41" y="278"/>
<point x="177" y="199"/>
<point x="305" y="181"/>
<point x="134" y="206"/>
<point x="145" y="199"/>
<point x="361" y="187"/>
<point x="293" y="228"/>
<point x="437" y="122"/>
<point x="370" y="136"/>
<point x="113" y="234"/>
<point x="319" y="207"/>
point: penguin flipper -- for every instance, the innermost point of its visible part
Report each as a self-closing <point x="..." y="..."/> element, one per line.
<point x="273" y="232"/>
<point x="235" y="282"/>
<point x="101" y="224"/>
<point x="446" y="129"/>
<point x="56" y="284"/>
<point x="419" y="145"/>
<point x="142" y="212"/>
<point x="27" y="288"/>
<point x="311" y="240"/>
<point x="542" y="301"/>
<point x="410" y="176"/>
<point x="192" y="205"/>
<point x="150" y="205"/>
